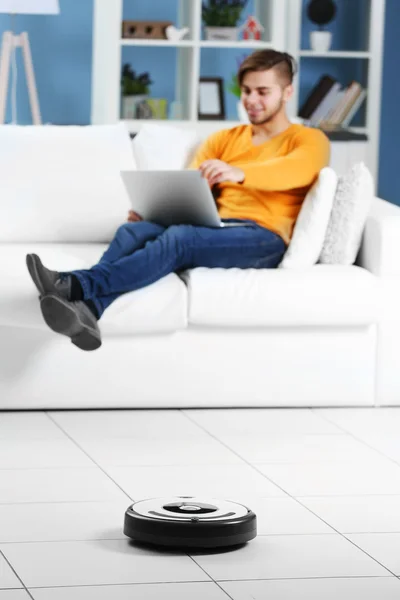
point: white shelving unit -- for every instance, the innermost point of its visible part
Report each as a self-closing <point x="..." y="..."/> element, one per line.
<point x="108" y="44"/>
<point x="372" y="56"/>
<point x="334" y="54"/>
<point x="282" y="20"/>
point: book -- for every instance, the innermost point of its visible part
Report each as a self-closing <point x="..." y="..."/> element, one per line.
<point x="338" y="100"/>
<point x="345" y="100"/>
<point x="318" y="92"/>
<point x="354" y="108"/>
<point x="351" y="94"/>
<point x="325" y="105"/>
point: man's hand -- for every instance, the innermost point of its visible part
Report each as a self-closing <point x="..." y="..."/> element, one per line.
<point x="216" y="171"/>
<point x="133" y="217"/>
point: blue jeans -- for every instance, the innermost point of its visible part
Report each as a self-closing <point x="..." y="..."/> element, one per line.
<point x="143" y="252"/>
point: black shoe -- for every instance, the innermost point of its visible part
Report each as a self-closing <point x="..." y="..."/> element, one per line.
<point x="73" y="319"/>
<point x="46" y="281"/>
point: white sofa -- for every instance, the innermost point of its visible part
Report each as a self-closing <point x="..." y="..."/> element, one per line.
<point x="322" y="336"/>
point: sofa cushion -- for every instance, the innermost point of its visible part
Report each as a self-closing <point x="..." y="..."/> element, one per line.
<point x="164" y="147"/>
<point x="161" y="307"/>
<point x="63" y="184"/>
<point x="310" y="228"/>
<point x="320" y="295"/>
<point x="351" y="206"/>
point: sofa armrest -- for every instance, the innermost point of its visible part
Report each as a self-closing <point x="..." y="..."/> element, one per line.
<point x="380" y="247"/>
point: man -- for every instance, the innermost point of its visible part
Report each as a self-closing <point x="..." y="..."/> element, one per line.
<point x="260" y="172"/>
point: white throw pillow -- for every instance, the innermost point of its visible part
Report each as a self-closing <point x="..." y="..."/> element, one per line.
<point x="351" y="206"/>
<point x="63" y="183"/>
<point x="310" y="228"/>
<point x="164" y="147"/>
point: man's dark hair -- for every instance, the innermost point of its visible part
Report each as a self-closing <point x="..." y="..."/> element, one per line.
<point x="263" y="60"/>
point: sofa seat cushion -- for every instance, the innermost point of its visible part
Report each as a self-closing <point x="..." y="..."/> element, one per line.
<point x="158" y="308"/>
<point x="319" y="295"/>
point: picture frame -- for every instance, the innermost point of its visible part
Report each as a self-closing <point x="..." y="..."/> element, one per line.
<point x="211" y="99"/>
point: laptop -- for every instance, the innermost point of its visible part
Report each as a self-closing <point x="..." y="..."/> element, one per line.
<point x="173" y="198"/>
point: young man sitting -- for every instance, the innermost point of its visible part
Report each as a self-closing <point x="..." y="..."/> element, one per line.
<point x="261" y="173"/>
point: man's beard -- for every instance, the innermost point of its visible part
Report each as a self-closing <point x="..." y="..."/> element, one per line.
<point x="269" y="117"/>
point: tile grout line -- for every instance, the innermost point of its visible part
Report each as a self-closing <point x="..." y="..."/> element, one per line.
<point x="386" y="577"/>
<point x="262" y="497"/>
<point x="90" y="458"/>
<point x="363" y="442"/>
<point x="292" y="497"/>
<point x="100" y="585"/>
<point x="183" y="583"/>
<point x="120" y="466"/>
<point x="262" y="535"/>
<point x="310" y="578"/>
<point x="251" y="465"/>
<point x="208" y="575"/>
<point x="16" y="575"/>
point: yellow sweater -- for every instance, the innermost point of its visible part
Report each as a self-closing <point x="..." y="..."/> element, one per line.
<point x="278" y="173"/>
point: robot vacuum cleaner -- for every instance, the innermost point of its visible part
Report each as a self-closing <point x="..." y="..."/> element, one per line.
<point x="190" y="522"/>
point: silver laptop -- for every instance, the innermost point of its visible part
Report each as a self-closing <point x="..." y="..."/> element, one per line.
<point x="172" y="198"/>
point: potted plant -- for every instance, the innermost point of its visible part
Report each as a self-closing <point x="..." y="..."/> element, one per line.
<point x="234" y="88"/>
<point x="221" y="17"/>
<point x="135" y="90"/>
<point x="321" y="12"/>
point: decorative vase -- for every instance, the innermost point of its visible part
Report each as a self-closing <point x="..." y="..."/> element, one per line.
<point x="222" y="34"/>
<point x="320" y="41"/>
<point x="131" y="104"/>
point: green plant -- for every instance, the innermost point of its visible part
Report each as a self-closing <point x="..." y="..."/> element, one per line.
<point x="133" y="84"/>
<point x="234" y="87"/>
<point x="222" y="13"/>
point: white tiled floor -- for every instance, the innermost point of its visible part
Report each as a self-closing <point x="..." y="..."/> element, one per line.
<point x="324" y="483"/>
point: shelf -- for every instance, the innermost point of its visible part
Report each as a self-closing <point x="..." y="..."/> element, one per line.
<point x="359" y="130"/>
<point x="334" y="54"/>
<point x="235" y="44"/>
<point x="191" y="44"/>
<point x="162" y="43"/>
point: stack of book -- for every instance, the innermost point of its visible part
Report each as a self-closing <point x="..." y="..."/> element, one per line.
<point x="330" y="106"/>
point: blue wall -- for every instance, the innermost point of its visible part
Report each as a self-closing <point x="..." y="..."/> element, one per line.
<point x="62" y="55"/>
<point x="389" y="180"/>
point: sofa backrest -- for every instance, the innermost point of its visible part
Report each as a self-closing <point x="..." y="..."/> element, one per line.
<point x="62" y="183"/>
<point x="165" y="147"/>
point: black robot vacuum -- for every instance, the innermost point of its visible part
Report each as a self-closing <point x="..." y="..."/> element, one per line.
<point x="190" y="522"/>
